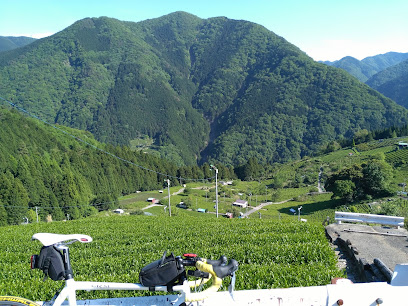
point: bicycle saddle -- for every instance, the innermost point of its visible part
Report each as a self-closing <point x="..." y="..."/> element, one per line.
<point x="49" y="239"/>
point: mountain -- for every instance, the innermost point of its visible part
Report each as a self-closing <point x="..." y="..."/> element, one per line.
<point x="43" y="167"/>
<point x="369" y="66"/>
<point x="192" y="90"/>
<point x="393" y="83"/>
<point x="359" y="69"/>
<point x="10" y="42"/>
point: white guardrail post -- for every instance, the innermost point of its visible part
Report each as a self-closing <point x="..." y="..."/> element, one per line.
<point x="369" y="218"/>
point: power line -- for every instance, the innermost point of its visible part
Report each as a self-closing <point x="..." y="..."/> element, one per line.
<point x="62" y="207"/>
<point x="97" y="148"/>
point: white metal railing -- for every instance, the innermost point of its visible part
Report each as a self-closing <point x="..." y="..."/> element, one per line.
<point x="369" y="218"/>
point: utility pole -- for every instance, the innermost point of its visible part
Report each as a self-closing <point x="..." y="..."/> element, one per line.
<point x="266" y="193"/>
<point x="36" y="212"/>
<point x="168" y="191"/>
<point x="216" y="188"/>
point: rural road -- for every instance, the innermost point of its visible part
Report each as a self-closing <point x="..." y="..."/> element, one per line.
<point x="319" y="181"/>
<point x="174" y="193"/>
<point x="262" y="205"/>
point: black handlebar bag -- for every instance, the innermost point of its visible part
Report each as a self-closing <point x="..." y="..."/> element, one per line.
<point x="163" y="272"/>
<point x="51" y="262"/>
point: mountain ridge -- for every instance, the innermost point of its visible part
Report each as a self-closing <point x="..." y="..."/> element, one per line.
<point x="369" y="66"/>
<point x="197" y="89"/>
<point x="12" y="42"/>
<point x="392" y="82"/>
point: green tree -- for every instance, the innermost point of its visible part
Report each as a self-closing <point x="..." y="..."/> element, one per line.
<point x="252" y="169"/>
<point x="3" y="215"/>
<point x="360" y="136"/>
<point x="32" y="216"/>
<point x="344" y="189"/>
<point x="18" y="203"/>
<point x="332" y="146"/>
<point x="188" y="202"/>
<point x="359" y="181"/>
<point x="376" y="177"/>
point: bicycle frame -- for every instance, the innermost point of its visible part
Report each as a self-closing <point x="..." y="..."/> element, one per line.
<point x="68" y="292"/>
<point x="71" y="286"/>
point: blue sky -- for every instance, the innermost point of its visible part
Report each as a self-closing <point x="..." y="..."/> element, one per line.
<point x="324" y="29"/>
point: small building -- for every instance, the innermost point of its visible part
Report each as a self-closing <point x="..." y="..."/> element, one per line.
<point x="119" y="211"/>
<point x="241" y="203"/>
<point x="225" y="183"/>
<point x="402" y="145"/>
<point x="182" y="205"/>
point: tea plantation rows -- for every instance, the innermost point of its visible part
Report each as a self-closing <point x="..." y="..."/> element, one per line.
<point x="271" y="254"/>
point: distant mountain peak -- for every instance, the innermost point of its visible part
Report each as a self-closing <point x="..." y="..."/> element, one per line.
<point x="13" y="42"/>
<point x="369" y="66"/>
<point x="192" y="90"/>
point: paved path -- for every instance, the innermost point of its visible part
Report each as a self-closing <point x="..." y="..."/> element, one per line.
<point x="262" y="205"/>
<point x="174" y="193"/>
<point x="150" y="206"/>
<point x="319" y="181"/>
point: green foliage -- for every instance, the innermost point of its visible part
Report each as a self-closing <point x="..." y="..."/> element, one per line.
<point x="392" y="83"/>
<point x="10" y="43"/>
<point x="397" y="157"/>
<point x="344" y="189"/>
<point x="270" y="254"/>
<point x="44" y="168"/>
<point x="358" y="181"/>
<point x="356" y="68"/>
<point x="192" y="90"/>
<point x="368" y="67"/>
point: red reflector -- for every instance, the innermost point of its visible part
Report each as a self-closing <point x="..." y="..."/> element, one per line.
<point x="84" y="239"/>
<point x="32" y="261"/>
<point x="190" y="255"/>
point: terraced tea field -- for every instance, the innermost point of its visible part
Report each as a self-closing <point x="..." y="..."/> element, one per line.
<point x="271" y="254"/>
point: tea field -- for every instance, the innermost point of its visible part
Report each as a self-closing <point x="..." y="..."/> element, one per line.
<point x="271" y="254"/>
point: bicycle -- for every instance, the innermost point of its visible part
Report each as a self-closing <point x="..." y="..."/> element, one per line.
<point x="54" y="260"/>
<point x="16" y="301"/>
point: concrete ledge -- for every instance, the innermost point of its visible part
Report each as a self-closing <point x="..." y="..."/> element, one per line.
<point x="363" y="270"/>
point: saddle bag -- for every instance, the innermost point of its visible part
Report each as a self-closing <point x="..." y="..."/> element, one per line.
<point x="51" y="262"/>
<point x="166" y="271"/>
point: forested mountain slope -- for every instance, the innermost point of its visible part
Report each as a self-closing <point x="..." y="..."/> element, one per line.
<point x="10" y="42"/>
<point x="192" y="89"/>
<point x="356" y="68"/>
<point x="43" y="167"/>
<point x="393" y="83"/>
<point x="369" y="66"/>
